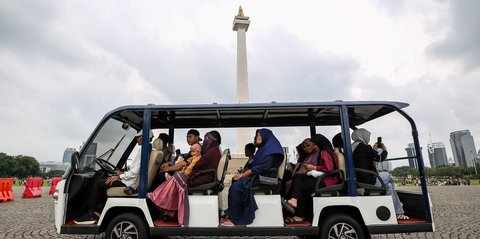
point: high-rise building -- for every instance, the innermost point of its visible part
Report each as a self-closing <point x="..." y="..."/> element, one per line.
<point x="412" y="162"/>
<point x="67" y="155"/>
<point x="437" y="154"/>
<point x="463" y="148"/>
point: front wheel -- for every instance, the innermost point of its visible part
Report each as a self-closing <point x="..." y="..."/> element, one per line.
<point x="341" y="226"/>
<point x="126" y="226"/>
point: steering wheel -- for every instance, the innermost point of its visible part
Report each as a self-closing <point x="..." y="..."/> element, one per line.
<point x="105" y="165"/>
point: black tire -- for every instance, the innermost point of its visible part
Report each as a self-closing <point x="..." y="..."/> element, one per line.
<point x="127" y="223"/>
<point x="341" y="225"/>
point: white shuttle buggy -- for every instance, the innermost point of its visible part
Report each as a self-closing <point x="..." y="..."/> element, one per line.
<point x="347" y="209"/>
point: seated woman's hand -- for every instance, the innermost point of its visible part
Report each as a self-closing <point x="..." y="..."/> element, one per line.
<point x="309" y="167"/>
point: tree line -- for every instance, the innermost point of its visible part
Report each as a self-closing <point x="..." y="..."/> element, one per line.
<point x="440" y="171"/>
<point x="22" y="166"/>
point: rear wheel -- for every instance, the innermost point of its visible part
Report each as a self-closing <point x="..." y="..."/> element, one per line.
<point x="341" y="226"/>
<point x="126" y="226"/>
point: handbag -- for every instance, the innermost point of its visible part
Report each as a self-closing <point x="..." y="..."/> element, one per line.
<point x="264" y="180"/>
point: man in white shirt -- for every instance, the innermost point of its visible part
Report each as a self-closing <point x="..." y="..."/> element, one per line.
<point x="120" y="179"/>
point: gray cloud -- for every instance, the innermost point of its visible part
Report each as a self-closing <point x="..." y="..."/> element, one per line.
<point x="461" y="42"/>
<point x="296" y="70"/>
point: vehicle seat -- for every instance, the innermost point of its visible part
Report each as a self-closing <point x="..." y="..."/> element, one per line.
<point x="216" y="186"/>
<point x="170" y="156"/>
<point x="262" y="189"/>
<point x="366" y="189"/>
<point x="337" y="189"/>
<point x="154" y="162"/>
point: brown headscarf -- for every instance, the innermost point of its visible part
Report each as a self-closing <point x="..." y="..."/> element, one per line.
<point x="210" y="158"/>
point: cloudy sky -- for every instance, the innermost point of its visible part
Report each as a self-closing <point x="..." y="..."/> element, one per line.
<point x="64" y="64"/>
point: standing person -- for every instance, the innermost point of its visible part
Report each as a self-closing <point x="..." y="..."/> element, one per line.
<point x="120" y="179"/>
<point x="364" y="157"/>
<point x="242" y="205"/>
<point x="303" y="184"/>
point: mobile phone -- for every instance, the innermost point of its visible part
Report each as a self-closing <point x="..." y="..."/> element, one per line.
<point x="379" y="140"/>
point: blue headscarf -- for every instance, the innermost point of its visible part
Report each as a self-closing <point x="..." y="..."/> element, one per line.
<point x="270" y="145"/>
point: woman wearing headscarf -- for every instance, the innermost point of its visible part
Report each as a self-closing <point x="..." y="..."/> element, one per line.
<point x="364" y="157"/>
<point x="290" y="169"/>
<point x="210" y="158"/>
<point x="242" y="205"/>
<point x="325" y="161"/>
<point x="310" y="155"/>
<point x="172" y="195"/>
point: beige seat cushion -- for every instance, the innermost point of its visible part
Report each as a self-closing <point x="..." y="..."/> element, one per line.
<point x="156" y="157"/>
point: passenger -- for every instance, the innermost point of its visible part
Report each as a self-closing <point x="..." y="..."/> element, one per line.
<point x="172" y="195"/>
<point x="242" y="205"/>
<point x="120" y="179"/>
<point x="288" y="174"/>
<point x="210" y="158"/>
<point x="338" y="143"/>
<point x="249" y="152"/>
<point x="325" y="161"/>
<point x="310" y="153"/>
<point x="193" y="137"/>
<point x="364" y="157"/>
<point x="216" y="134"/>
<point x="338" y="150"/>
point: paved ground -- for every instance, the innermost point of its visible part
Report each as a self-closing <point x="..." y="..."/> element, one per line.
<point x="456" y="215"/>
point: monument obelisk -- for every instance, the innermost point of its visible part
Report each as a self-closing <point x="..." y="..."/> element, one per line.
<point x="240" y="25"/>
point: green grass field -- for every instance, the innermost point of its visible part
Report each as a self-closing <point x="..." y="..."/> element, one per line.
<point x="475" y="181"/>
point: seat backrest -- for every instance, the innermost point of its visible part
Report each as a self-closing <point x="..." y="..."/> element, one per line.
<point x="171" y="157"/>
<point x="167" y="154"/>
<point x="341" y="163"/>
<point x="156" y="157"/>
<point x="281" y="167"/>
<point x="223" y="165"/>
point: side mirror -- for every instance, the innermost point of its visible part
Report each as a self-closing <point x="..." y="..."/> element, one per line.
<point x="74" y="161"/>
<point x="125" y="126"/>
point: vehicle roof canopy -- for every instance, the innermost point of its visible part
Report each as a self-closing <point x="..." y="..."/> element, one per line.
<point x="255" y="114"/>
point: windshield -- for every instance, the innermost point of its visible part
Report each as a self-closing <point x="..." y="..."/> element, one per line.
<point x="109" y="144"/>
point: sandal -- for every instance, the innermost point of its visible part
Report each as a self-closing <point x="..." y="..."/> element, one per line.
<point x="402" y="217"/>
<point x="294" y="220"/>
<point x="226" y="223"/>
